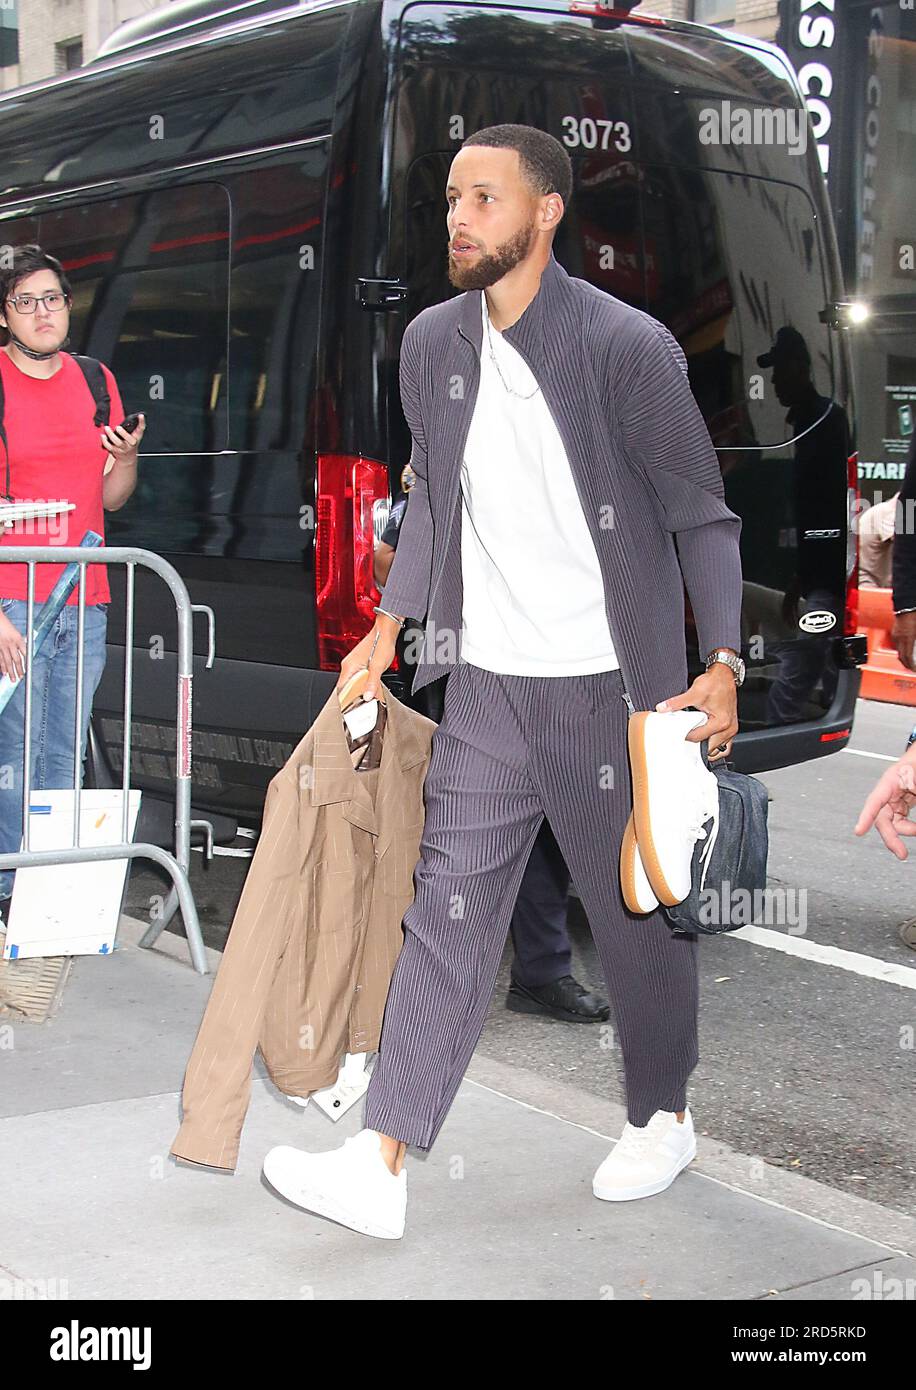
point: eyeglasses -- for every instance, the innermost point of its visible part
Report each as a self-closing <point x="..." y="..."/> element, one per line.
<point x="53" y="301"/>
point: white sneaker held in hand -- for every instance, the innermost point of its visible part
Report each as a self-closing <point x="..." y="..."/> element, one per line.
<point x="674" y="796"/>
<point x="634" y="885"/>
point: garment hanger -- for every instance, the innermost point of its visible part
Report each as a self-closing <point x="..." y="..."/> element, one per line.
<point x="365" y="747"/>
<point x="350" y="692"/>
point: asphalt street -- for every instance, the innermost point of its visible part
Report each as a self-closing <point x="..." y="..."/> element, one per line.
<point x="808" y="1064"/>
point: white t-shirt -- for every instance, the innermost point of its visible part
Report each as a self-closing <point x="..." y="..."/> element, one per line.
<point x="534" y="599"/>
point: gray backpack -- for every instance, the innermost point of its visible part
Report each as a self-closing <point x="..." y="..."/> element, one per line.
<point x="733" y="874"/>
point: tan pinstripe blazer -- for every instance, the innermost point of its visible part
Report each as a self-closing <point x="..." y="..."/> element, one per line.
<point x="314" y="940"/>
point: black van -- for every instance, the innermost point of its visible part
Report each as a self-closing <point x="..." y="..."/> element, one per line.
<point x="249" y="200"/>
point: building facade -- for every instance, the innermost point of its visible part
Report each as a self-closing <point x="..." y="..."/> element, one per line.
<point x="757" y="17"/>
<point x="39" y="38"/>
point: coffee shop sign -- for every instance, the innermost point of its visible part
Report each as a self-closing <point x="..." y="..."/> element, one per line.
<point x="816" y="33"/>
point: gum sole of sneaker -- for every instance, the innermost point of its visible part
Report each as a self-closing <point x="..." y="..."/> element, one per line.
<point x="628" y="870"/>
<point x="636" y="746"/>
<point x="326" y="1206"/>
<point x="648" y="1189"/>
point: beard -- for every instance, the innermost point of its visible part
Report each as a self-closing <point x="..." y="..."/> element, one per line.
<point x="487" y="269"/>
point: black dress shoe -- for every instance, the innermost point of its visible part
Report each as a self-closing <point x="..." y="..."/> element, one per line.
<point x="564" y="998"/>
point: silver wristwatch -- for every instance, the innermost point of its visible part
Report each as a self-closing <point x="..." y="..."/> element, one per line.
<point x="734" y="663"/>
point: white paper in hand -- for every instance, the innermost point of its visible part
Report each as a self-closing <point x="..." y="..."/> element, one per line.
<point x="361" y="718"/>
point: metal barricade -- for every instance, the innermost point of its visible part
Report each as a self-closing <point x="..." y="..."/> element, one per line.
<point x="177" y="865"/>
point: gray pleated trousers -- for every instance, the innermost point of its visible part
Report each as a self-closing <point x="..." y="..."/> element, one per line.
<point x="508" y="751"/>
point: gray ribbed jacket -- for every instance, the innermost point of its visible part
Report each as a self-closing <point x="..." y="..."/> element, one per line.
<point x="647" y="475"/>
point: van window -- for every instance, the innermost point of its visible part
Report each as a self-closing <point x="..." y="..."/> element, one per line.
<point x="150" y="278"/>
<point x="277" y="238"/>
<point x="704" y="63"/>
<point x="724" y="261"/>
<point x="205" y="99"/>
<point x="600" y="236"/>
<point x="601" y="229"/>
<point x="735" y="260"/>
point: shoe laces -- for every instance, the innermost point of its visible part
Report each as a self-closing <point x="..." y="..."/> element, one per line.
<point x="703" y="805"/>
<point x="637" y="1142"/>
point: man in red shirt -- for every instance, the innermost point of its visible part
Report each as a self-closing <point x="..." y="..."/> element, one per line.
<point x="56" y="453"/>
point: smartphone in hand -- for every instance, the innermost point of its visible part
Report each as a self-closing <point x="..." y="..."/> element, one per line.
<point x="130" y="423"/>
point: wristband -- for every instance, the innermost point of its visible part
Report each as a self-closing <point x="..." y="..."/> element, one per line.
<point x="400" y="621"/>
<point x="898" y="611"/>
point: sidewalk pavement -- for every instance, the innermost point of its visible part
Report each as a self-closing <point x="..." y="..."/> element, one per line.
<point x="501" y="1207"/>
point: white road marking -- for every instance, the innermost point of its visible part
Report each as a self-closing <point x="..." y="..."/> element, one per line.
<point x="854" y="961"/>
<point x="861" y="753"/>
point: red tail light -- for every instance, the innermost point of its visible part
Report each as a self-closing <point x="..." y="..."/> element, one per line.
<point x="851" y="620"/>
<point x="619" y="12"/>
<point x="349" y="486"/>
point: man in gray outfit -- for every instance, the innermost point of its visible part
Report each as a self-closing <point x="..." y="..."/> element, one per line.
<point x="553" y="594"/>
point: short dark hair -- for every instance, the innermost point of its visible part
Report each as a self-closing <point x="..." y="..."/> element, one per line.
<point x="26" y="260"/>
<point x="544" y="163"/>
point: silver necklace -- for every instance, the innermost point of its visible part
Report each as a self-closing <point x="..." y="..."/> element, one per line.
<point x="521" y="395"/>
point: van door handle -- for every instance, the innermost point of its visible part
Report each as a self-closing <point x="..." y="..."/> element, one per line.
<point x="380" y="294"/>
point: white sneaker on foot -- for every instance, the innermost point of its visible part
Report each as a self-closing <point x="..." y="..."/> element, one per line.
<point x="647" y="1160"/>
<point x="674" y="795"/>
<point x="352" y="1185"/>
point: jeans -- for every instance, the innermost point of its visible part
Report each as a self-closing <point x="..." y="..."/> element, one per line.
<point x="53" y="714"/>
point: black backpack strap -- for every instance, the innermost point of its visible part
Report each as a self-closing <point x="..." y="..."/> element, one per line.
<point x="95" y="380"/>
